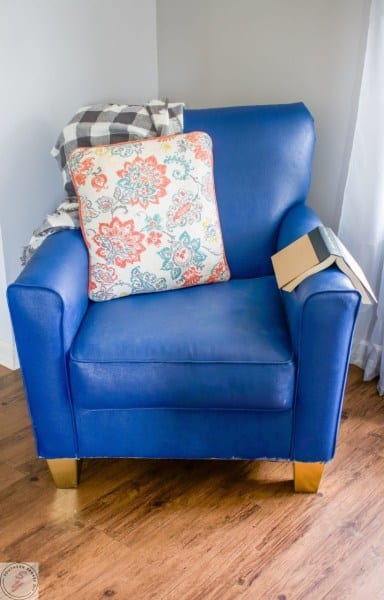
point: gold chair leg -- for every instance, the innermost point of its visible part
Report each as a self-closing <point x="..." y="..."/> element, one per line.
<point x="307" y="476"/>
<point x="65" y="472"/>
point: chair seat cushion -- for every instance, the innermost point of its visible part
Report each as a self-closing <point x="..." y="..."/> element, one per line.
<point x="223" y="346"/>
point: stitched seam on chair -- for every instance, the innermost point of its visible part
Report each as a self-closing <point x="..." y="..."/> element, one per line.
<point x="345" y="373"/>
<point x="185" y="408"/>
<point x="289" y="362"/>
<point x="66" y="374"/>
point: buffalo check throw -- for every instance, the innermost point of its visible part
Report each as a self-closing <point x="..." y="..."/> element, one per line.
<point x="97" y="125"/>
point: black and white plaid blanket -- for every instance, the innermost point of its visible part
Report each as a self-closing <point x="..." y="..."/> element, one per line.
<point x="97" y="125"/>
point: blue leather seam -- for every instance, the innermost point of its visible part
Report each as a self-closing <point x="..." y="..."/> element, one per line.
<point x="289" y="362"/>
<point x="85" y="411"/>
<point x="67" y="385"/>
<point x="355" y="293"/>
<point x="294" y="402"/>
<point x="144" y="457"/>
<point x="346" y="367"/>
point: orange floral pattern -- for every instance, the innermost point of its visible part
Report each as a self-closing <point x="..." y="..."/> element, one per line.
<point x="143" y="181"/>
<point x="118" y="242"/>
<point x="99" y="182"/>
<point x="81" y="168"/>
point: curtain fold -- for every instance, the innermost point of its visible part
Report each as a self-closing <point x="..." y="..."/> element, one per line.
<point x="362" y="217"/>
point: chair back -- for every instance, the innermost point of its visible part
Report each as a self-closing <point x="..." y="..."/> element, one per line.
<point x="262" y="162"/>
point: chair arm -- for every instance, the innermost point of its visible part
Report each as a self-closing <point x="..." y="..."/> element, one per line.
<point x="321" y="314"/>
<point x="47" y="303"/>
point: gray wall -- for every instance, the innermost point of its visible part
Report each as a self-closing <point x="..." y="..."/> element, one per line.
<point x="55" y="56"/>
<point x="220" y="52"/>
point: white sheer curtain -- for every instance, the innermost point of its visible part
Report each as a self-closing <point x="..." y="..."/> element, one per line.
<point x="362" y="217"/>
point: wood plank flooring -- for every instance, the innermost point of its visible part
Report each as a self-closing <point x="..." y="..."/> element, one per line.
<point x="198" y="530"/>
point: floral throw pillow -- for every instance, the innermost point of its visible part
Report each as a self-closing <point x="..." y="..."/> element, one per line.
<point x="148" y="215"/>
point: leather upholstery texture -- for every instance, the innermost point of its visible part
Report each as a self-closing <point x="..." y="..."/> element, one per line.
<point x="209" y="347"/>
<point x="262" y="157"/>
<point x="229" y="370"/>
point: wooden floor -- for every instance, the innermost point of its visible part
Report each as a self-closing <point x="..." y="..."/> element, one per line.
<point x="198" y="530"/>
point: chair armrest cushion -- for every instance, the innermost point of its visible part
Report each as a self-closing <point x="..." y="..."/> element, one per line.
<point x="47" y="303"/>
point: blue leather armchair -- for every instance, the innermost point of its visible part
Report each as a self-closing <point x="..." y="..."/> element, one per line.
<point x="235" y="370"/>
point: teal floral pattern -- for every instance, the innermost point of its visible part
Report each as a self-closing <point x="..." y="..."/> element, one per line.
<point x="146" y="282"/>
<point x="183" y="254"/>
<point x="148" y="215"/>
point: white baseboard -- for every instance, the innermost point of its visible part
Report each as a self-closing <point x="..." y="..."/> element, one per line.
<point x="8" y="355"/>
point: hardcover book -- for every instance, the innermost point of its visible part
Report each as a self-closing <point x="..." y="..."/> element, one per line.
<point x="313" y="252"/>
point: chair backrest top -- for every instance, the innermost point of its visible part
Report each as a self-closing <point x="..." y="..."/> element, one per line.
<point x="262" y="162"/>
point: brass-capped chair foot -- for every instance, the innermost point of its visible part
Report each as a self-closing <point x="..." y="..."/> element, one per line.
<point x="65" y="472"/>
<point x="307" y="476"/>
